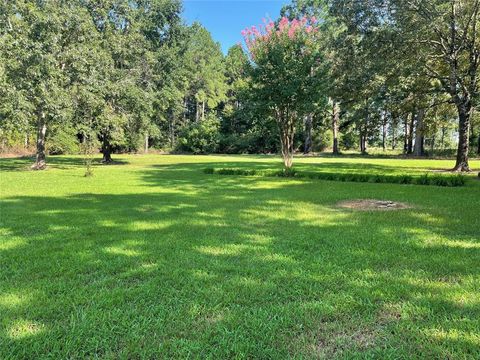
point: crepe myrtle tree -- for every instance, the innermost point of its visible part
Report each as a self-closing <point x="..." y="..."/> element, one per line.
<point x="286" y="73"/>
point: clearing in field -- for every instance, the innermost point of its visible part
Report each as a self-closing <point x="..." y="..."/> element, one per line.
<point x="153" y="258"/>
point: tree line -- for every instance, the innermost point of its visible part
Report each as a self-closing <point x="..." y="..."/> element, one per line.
<point x="126" y="76"/>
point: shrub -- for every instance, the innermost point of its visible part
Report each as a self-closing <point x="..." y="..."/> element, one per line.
<point x="63" y="140"/>
<point x="200" y="137"/>
<point x="458" y="180"/>
<point x="438" y="180"/>
<point x="322" y="140"/>
<point x="423" y="180"/>
<point x="349" y="141"/>
<point x="405" y="179"/>
<point x="287" y="172"/>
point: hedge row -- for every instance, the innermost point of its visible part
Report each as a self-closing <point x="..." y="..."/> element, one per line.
<point x="426" y="179"/>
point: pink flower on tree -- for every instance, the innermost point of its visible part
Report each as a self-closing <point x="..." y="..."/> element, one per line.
<point x="283" y="23"/>
<point x="291" y="32"/>
<point x="285" y="28"/>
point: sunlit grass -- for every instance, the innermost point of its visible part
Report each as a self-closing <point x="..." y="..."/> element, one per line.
<point x="152" y="258"/>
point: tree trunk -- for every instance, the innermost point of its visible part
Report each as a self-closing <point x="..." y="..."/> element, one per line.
<point x="203" y="110"/>
<point x="185" y="109"/>
<point x="410" y="134"/>
<point x="464" y="109"/>
<point x="172" y="132"/>
<point x="442" y="139"/>
<point x="308" y="134"/>
<point x="419" y="134"/>
<point x="106" y="150"/>
<point x="363" y="142"/>
<point x="40" y="162"/>
<point x="363" y="135"/>
<point x="394" y="136"/>
<point x="287" y="132"/>
<point x="146" y="143"/>
<point x="197" y="111"/>
<point x="287" y="149"/>
<point x="384" y="132"/>
<point x="335" y="120"/>
<point x="405" y="135"/>
<point x="478" y="145"/>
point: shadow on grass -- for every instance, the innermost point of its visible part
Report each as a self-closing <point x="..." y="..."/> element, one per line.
<point x="56" y="162"/>
<point x="208" y="267"/>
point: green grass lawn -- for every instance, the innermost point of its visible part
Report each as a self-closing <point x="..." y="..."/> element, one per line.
<point x="152" y="258"/>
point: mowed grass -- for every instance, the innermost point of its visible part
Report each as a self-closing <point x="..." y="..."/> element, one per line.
<point x="152" y="258"/>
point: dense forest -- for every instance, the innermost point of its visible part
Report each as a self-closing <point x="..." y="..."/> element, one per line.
<point x="82" y="76"/>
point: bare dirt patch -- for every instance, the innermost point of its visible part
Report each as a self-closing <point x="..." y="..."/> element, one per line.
<point x="372" y="204"/>
<point x="335" y="339"/>
<point x="11" y="155"/>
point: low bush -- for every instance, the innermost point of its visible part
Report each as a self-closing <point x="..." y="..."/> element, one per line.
<point x="63" y="140"/>
<point x="426" y="179"/>
<point x="201" y="137"/>
<point x="423" y="180"/>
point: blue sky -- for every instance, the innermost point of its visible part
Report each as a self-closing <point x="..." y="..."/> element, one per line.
<point x="225" y="19"/>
